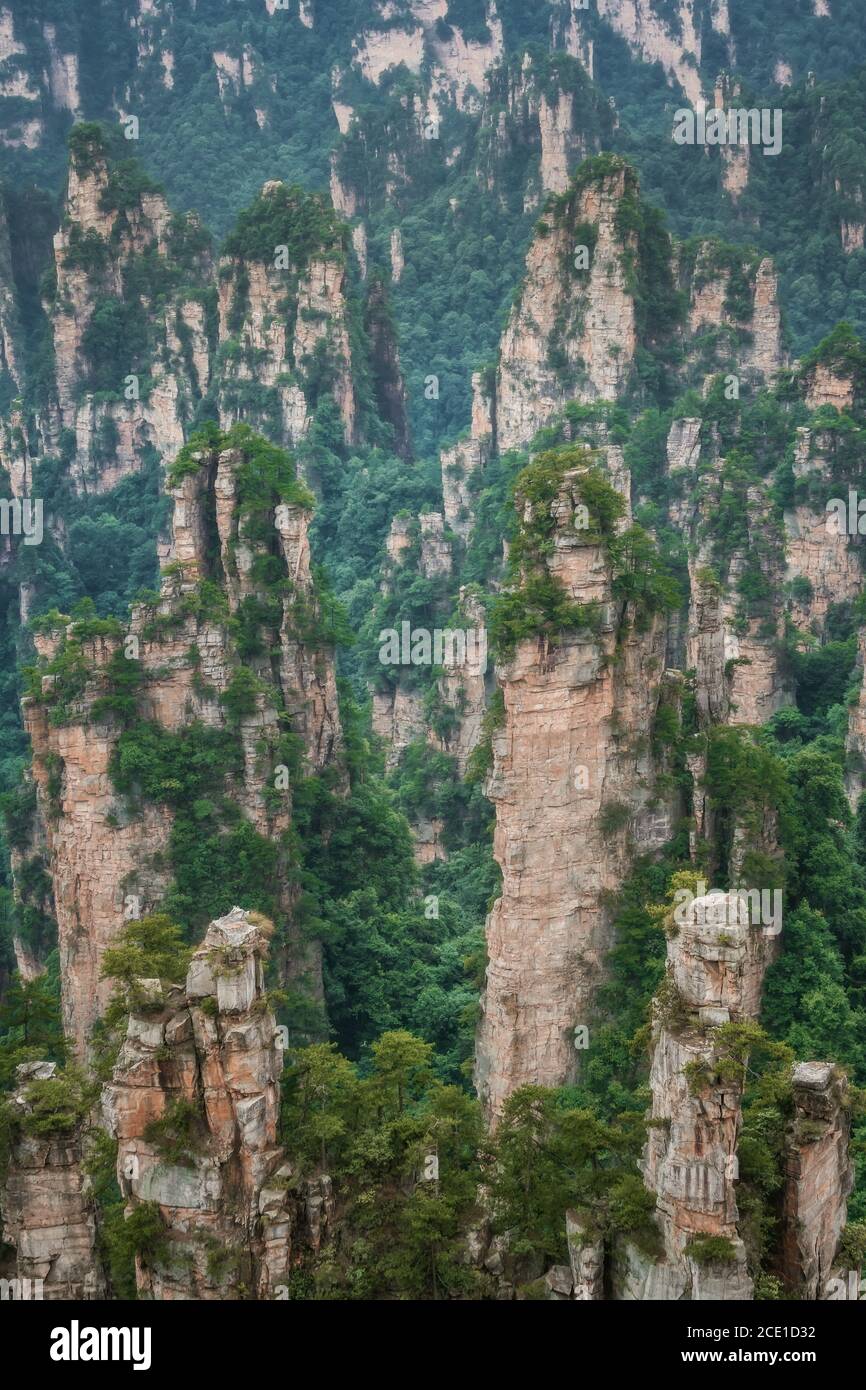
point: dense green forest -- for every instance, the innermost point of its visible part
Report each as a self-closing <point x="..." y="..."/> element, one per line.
<point x="206" y="147"/>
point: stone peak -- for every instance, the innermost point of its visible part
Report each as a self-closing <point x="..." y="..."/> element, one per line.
<point x="813" y="1076"/>
<point x="34" y="1071"/>
<point x="236" y="928"/>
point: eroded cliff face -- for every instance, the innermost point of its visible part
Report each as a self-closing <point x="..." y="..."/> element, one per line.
<point x="819" y="1179"/>
<point x="575" y="329"/>
<point x="178" y="664"/>
<point x="572" y="782"/>
<point x="114" y="252"/>
<point x="796" y="565"/>
<point x="93" y="850"/>
<point x="824" y="546"/>
<point x="734" y="652"/>
<point x="586" y="317"/>
<point x="716" y="963"/>
<point x="548" y="936"/>
<point x="284" y="354"/>
<point x="468" y="456"/>
<point x="546" y="116"/>
<point x="818" y="549"/>
<point x="145" y="327"/>
<point x="457" y="64"/>
<point x="670" y="35"/>
<point x="734" y="312"/>
<point x="399" y="709"/>
<point x="717" y="957"/>
<point x="48" y="1209"/>
<point x="40" y="88"/>
<point x="194" y="1104"/>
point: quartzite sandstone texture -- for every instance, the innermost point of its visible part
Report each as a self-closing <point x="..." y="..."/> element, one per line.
<point x="819" y="1176"/>
<point x="48" y="1210"/>
<point x="572" y="750"/>
<point x="211" y="1047"/>
<point x="716" y="963"/>
<point x="107" y="861"/>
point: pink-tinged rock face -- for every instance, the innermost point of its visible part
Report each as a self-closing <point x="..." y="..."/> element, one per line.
<point x="601" y="336"/>
<point x="48" y="1209"/>
<point x="819" y="1178"/>
<point x="95" y="843"/>
<point x="213" y="1045"/>
<point x="716" y="965"/>
<point x="571" y="748"/>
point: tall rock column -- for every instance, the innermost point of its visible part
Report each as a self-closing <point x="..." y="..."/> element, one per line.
<point x="819" y="1178"/>
<point x="572" y="785"/>
<point x="576" y="309"/>
<point x="109" y="851"/>
<point x="194" y="1104"/>
<point x="49" y="1215"/>
<point x="716" y="964"/>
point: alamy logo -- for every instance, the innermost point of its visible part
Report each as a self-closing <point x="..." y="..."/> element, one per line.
<point x="734" y="127"/>
<point x="22" y="517"/>
<point x="76" y="1343"/>
<point x="850" y="1288"/>
<point x="743" y="907"/>
<point x="418" y="646"/>
<point x="846" y="517"/>
<point x="20" y="1290"/>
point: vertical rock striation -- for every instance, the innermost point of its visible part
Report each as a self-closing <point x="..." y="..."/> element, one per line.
<point x="716" y="964"/>
<point x="572" y="785"/>
<point x="207" y="1053"/>
<point x="109" y="853"/>
<point x="49" y="1215"/>
<point x="819" y="1176"/>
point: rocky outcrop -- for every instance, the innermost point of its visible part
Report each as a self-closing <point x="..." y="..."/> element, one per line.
<point x="575" y="328"/>
<point x="572" y="785"/>
<point x="672" y="40"/>
<point x="733" y="651"/>
<point x="467" y="456"/>
<point x="747" y="329"/>
<point x="279" y="355"/>
<point x="463" y="688"/>
<point x="398" y="718"/>
<point x="568" y="32"/>
<point x="819" y="1176"/>
<point x="18" y="83"/>
<point x="716" y="962"/>
<point x="98" y="246"/>
<point x="457" y="64"/>
<point x="40" y="69"/>
<point x="586" y="1259"/>
<point x="556" y="122"/>
<point x="398" y="709"/>
<point x="763" y="357"/>
<point x="735" y="157"/>
<point x="827" y="384"/>
<point x="542" y="114"/>
<point x="259" y="333"/>
<point x="49" y="1213"/>
<point x="108" y="856"/>
<point x="108" y="415"/>
<point x="817" y="549"/>
<point x="584" y="319"/>
<point x="94" y="851"/>
<point x="194" y="1103"/>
